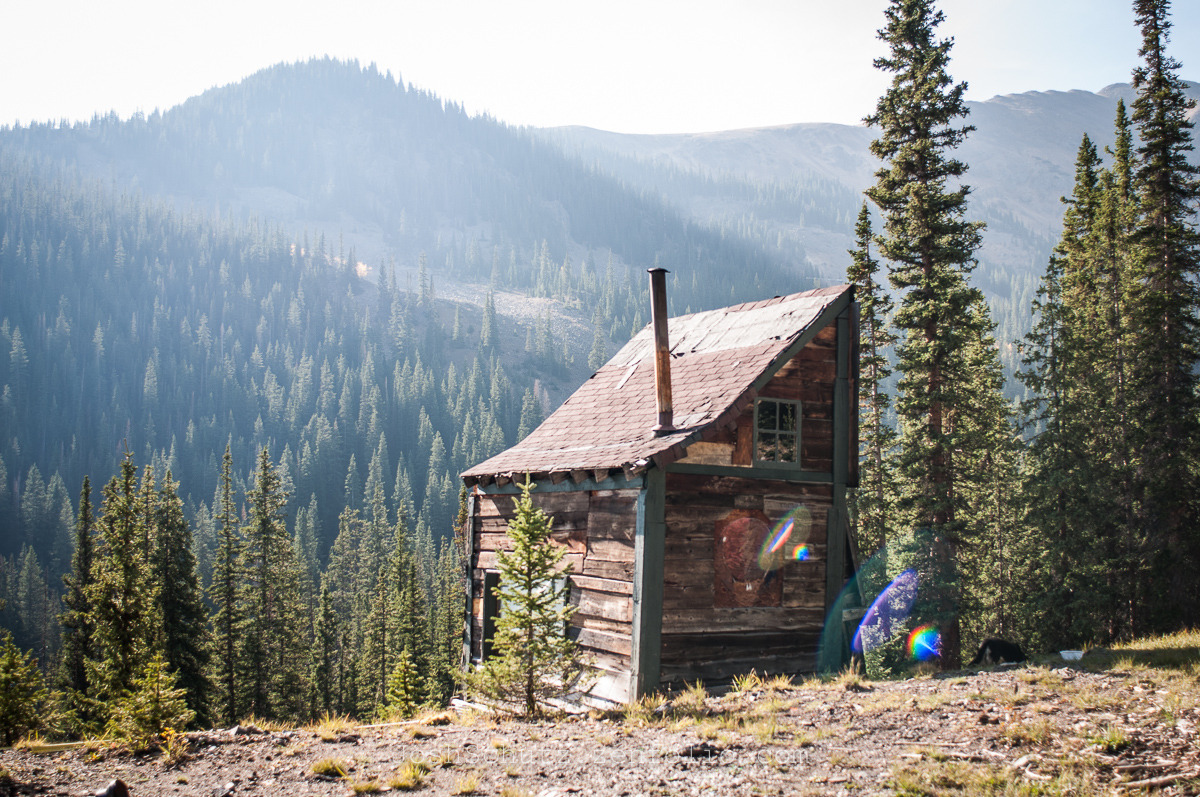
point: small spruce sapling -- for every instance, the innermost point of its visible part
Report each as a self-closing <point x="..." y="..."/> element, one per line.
<point x="535" y="659"/>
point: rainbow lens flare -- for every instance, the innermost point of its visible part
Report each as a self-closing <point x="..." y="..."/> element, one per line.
<point x="888" y="613"/>
<point x="924" y="643"/>
<point x="788" y="540"/>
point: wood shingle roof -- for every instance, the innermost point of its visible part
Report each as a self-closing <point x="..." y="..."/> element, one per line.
<point x="717" y="359"/>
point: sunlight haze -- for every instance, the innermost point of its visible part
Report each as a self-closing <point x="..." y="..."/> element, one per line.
<point x="632" y="67"/>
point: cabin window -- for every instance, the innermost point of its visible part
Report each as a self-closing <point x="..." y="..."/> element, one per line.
<point x="777" y="431"/>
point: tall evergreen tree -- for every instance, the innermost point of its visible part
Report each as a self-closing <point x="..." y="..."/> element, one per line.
<point x="223" y="592"/>
<point x="877" y="436"/>
<point x="76" y="619"/>
<point x="930" y="247"/>
<point x="120" y="591"/>
<point x="272" y="658"/>
<point x="1167" y="329"/>
<point x="178" y="598"/>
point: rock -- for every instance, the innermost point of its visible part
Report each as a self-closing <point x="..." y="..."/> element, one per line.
<point x="115" y="789"/>
<point x="223" y="791"/>
<point x="701" y="750"/>
<point x="244" y="730"/>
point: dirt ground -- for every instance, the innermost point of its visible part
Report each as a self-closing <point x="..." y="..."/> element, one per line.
<point x="1048" y="729"/>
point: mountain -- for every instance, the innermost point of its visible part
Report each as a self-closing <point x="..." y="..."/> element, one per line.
<point x="393" y="171"/>
<point x="800" y="186"/>
<point x="321" y="261"/>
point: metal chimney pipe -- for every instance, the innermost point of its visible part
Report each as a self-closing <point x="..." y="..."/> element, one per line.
<point x="662" y="351"/>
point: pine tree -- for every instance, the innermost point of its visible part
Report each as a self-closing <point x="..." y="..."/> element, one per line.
<point x="179" y="602"/>
<point x="535" y="658"/>
<point x="22" y="694"/>
<point x="930" y="247"/>
<point x="325" y="656"/>
<point x="153" y="705"/>
<point x="120" y="591"/>
<point x="877" y="437"/>
<point x="404" y="689"/>
<point x="272" y="660"/>
<point x="76" y="618"/>
<point x="1166" y="326"/>
<point x="223" y="592"/>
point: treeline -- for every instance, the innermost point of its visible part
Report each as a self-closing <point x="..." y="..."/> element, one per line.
<point x="1070" y="518"/>
<point x="377" y="631"/>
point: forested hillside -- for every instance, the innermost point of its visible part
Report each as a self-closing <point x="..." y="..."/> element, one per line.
<point x="176" y="286"/>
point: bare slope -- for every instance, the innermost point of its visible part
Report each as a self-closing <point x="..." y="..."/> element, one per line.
<point x="1104" y="725"/>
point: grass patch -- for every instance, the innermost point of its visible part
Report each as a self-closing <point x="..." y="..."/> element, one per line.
<point x="692" y="701"/>
<point x="366" y="787"/>
<point x="410" y="776"/>
<point x="331" y="726"/>
<point x="467" y="784"/>
<point x="330" y="767"/>
<point x="1111" y="740"/>
<point x="1035" y="733"/>
<point x="645" y="710"/>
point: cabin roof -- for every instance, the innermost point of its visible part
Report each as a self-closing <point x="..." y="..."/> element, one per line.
<point x="716" y="359"/>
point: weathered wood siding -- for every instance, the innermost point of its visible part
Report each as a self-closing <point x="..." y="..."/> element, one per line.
<point x="702" y="640"/>
<point x="596" y="528"/>
<point x="703" y="637"/>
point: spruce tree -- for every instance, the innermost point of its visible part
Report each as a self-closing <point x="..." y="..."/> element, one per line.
<point x="22" y="693"/>
<point x="877" y="437"/>
<point x="76" y="618"/>
<point x="223" y="592"/>
<point x="1167" y="330"/>
<point x="179" y="601"/>
<point x="535" y="660"/>
<point x="930" y="248"/>
<point x="272" y="657"/>
<point x="120" y="592"/>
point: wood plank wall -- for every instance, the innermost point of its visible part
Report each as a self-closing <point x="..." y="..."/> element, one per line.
<point x="596" y="527"/>
<point x="706" y="642"/>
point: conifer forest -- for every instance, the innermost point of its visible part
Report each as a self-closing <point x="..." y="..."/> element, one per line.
<point x="247" y="345"/>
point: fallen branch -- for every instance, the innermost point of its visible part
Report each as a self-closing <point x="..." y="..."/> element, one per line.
<point x="1165" y="780"/>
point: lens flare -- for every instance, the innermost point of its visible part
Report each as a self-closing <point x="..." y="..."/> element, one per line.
<point x="888" y="613"/>
<point x="788" y="540"/>
<point x="924" y="643"/>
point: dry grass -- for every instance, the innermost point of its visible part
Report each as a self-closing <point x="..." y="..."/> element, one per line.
<point x="410" y="776"/>
<point x="467" y="784"/>
<point x="330" y="767"/>
<point x="365" y="786"/>
<point x="331" y="726"/>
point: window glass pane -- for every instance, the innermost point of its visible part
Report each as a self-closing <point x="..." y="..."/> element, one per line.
<point x="766" y="415"/>
<point x="766" y="446"/>
<point x="787" y="417"/>
<point x="787" y="448"/>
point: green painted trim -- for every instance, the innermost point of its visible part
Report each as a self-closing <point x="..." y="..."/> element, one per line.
<point x="820" y="322"/>
<point x="837" y="530"/>
<point x="566" y="486"/>
<point x="782" y="474"/>
<point x="649" y="552"/>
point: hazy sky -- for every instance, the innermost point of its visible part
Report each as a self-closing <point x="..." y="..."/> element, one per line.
<point x="646" y="66"/>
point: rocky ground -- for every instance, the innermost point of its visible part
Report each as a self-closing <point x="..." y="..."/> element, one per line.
<point x="1048" y="729"/>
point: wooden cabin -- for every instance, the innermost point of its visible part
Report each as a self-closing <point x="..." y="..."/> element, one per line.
<point x="700" y="496"/>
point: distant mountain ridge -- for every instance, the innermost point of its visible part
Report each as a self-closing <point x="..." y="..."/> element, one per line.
<point x="1020" y="157"/>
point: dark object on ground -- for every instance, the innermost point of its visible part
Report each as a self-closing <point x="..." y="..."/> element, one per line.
<point x="996" y="651"/>
<point x="115" y="789"/>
